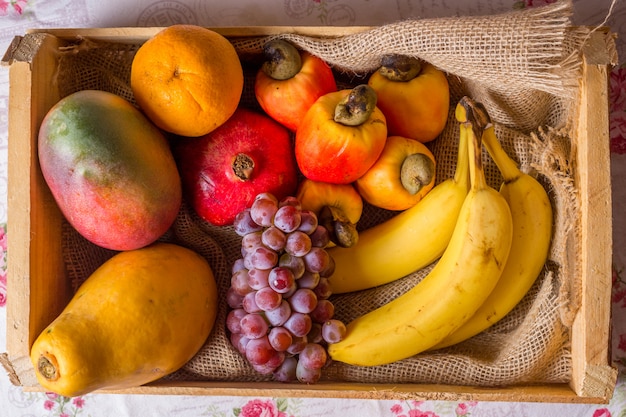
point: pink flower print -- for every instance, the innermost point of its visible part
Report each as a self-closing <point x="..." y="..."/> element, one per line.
<point x="64" y="415"/>
<point x="396" y="409"/>
<point x="52" y="395"/>
<point x="4" y="8"/>
<point x="618" y="132"/>
<point x="621" y="345"/>
<point x="532" y="3"/>
<point x="420" y="413"/>
<point x="602" y="412"/>
<point x="3" y="290"/>
<point x="3" y="239"/>
<point x="78" y="402"/>
<point x="260" y="408"/>
<point x="617" y="97"/>
<point x="619" y="296"/>
<point x="19" y="5"/>
<point x="48" y="405"/>
<point x="462" y="409"/>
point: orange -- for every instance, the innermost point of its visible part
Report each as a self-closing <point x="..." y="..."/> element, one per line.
<point x="187" y="79"/>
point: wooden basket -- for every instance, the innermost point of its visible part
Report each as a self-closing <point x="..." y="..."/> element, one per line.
<point x="39" y="289"/>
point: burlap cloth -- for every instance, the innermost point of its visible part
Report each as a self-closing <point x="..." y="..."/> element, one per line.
<point x="524" y="66"/>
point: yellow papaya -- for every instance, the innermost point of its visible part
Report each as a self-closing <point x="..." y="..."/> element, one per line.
<point x="140" y="316"/>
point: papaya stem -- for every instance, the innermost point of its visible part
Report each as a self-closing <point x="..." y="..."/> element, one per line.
<point x="47" y="368"/>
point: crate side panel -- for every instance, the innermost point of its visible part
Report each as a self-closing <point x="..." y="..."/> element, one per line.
<point x="592" y="374"/>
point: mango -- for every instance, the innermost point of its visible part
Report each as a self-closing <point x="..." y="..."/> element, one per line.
<point x="140" y="316"/>
<point x="110" y="170"/>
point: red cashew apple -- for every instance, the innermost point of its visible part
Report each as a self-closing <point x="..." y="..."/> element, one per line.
<point x="341" y="136"/>
<point x="223" y="171"/>
<point x="290" y="81"/>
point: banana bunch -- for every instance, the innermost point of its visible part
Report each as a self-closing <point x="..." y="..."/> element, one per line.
<point x="382" y="254"/>
<point x="460" y="282"/>
<point x="532" y="232"/>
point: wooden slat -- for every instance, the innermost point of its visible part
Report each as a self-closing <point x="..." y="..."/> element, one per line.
<point x="138" y="35"/>
<point x="37" y="284"/>
<point x="591" y="374"/>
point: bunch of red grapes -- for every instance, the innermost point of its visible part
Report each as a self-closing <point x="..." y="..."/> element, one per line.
<point x="281" y="318"/>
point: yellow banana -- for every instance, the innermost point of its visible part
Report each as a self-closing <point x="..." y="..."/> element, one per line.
<point x="382" y="253"/>
<point x="454" y="289"/>
<point x="532" y="231"/>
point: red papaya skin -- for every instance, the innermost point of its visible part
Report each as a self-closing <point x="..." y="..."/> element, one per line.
<point x="110" y="170"/>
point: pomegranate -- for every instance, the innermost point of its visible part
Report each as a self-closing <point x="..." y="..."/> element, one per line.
<point x="223" y="171"/>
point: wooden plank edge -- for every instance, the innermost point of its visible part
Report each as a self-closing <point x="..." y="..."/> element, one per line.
<point x="32" y="261"/>
<point x="592" y="373"/>
<point x="539" y="393"/>
<point x="135" y="35"/>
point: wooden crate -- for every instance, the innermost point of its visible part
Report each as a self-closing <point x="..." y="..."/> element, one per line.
<point x="39" y="289"/>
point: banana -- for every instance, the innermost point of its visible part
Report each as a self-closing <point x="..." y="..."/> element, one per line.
<point x="532" y="231"/>
<point x="453" y="290"/>
<point x="383" y="254"/>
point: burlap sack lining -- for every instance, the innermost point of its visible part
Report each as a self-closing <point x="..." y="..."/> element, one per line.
<point x="524" y="66"/>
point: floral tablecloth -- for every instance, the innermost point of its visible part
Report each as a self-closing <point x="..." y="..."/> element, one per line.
<point x="16" y="16"/>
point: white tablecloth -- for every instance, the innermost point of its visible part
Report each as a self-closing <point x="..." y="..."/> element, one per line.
<point x="16" y="16"/>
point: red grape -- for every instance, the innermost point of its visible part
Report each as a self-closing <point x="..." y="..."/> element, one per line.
<point x="233" y="299"/>
<point x="233" y="320"/>
<point x="262" y="258"/>
<point x="251" y="241"/>
<point x="239" y="282"/>
<point x="287" y="218"/>
<point x="323" y="289"/>
<point x="237" y="265"/>
<point x="294" y="263"/>
<point x="243" y="223"/>
<point x="274" y="238"/>
<point x="259" y="351"/>
<point x="316" y="260"/>
<point x="267" y="299"/>
<point x="308" y="222"/>
<point x="286" y="372"/>
<point x="290" y="201"/>
<point x="306" y="375"/>
<point x="299" y="342"/>
<point x="333" y="331"/>
<point x="298" y="243"/>
<point x="303" y="300"/>
<point x="320" y="237"/>
<point x="249" y="303"/>
<point x="270" y="366"/>
<point x="263" y="209"/>
<point x="258" y="278"/>
<point x="309" y="280"/>
<point x="239" y="341"/>
<point x="278" y="316"/>
<point x="253" y="326"/>
<point x="299" y="324"/>
<point x="281" y="279"/>
<point x="280" y="338"/>
<point x="324" y="311"/>
<point x="313" y="356"/>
